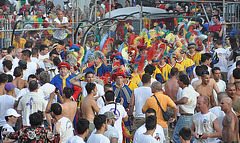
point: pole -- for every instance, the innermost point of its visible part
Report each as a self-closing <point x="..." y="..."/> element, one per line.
<point x="141" y="18"/>
<point x="73" y="21"/>
<point x="205" y="13"/>
<point x="224" y="27"/>
<point x="110" y="8"/>
<point x="95" y="6"/>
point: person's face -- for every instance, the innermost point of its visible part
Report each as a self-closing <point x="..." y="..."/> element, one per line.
<point x="200" y="104"/>
<point x="13" y="119"/>
<point x="53" y="56"/>
<point x="162" y="61"/>
<point x="4" y="53"/>
<point x="45" y="51"/>
<point x="115" y="60"/>
<point x="24" y="57"/>
<point x="43" y="11"/>
<point x="227" y="41"/>
<point x="224" y="105"/>
<point x="214" y="19"/>
<point x="180" y="83"/>
<point x="119" y="80"/>
<point x="231" y="90"/>
<point x="63" y="71"/>
<point x="1" y="11"/>
<point x="17" y="37"/>
<point x="97" y="61"/>
<point x="191" y="50"/>
<point x="206" y="79"/>
<point x="105" y="125"/>
<point x="143" y="52"/>
<point x="26" y="14"/>
<point x="90" y="78"/>
<point x="217" y="74"/>
<point x="214" y="12"/>
<point x="72" y="70"/>
<point x="60" y="15"/>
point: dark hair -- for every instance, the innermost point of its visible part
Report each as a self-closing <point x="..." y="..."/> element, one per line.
<point x="198" y="70"/>
<point x="217" y="17"/>
<point x="27" y="53"/>
<point x="150" y="69"/>
<point x="216" y="10"/>
<point x="205" y="56"/>
<point x="3" y="49"/>
<point x="10" y="78"/>
<point x="56" y="61"/>
<point x="3" y="78"/>
<point x="238" y="63"/>
<point x="88" y="73"/>
<point x="174" y="71"/>
<point x="89" y="87"/>
<point x="218" y="42"/>
<point x="215" y="69"/>
<point x="68" y="92"/>
<point x="236" y="73"/>
<point x="109" y="96"/>
<point x="146" y="78"/>
<point x="184" y="78"/>
<point x="10" y="49"/>
<point x="151" y="122"/>
<point x="17" y="71"/>
<point x="33" y="85"/>
<point x="185" y="133"/>
<point x="99" y="120"/>
<point x="31" y="76"/>
<point x="107" y="86"/>
<point x="22" y="64"/>
<point x="43" y="47"/>
<point x="39" y="70"/>
<point x="205" y="72"/>
<point x="36" y="119"/>
<point x="204" y="68"/>
<point x="34" y="51"/>
<point x="82" y="125"/>
<point x="28" y="44"/>
<point x="56" y="109"/>
<point x="6" y="117"/>
<point x="150" y="110"/>
<point x="54" y="51"/>
<point x="8" y="64"/>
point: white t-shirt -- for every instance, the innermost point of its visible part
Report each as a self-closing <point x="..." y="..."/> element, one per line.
<point x="219" y="113"/>
<point x="40" y="63"/>
<point x="192" y="95"/>
<point x="204" y="124"/>
<point x="30" y="103"/>
<point x="42" y="57"/>
<point x="100" y="92"/>
<point x="194" y="79"/>
<point x="141" y="94"/>
<point x="230" y="72"/>
<point x="221" y="86"/>
<point x="6" y="102"/>
<point x="60" y="34"/>
<point x="110" y="133"/>
<point x="146" y="139"/>
<point x="222" y="63"/>
<point x="120" y="112"/>
<point x="178" y="98"/>
<point x="229" y="63"/>
<point x="7" y="128"/>
<point x="98" y="138"/>
<point x="32" y="67"/>
<point x="15" y="63"/>
<point x="158" y="132"/>
<point x="75" y="139"/>
<point x="66" y="129"/>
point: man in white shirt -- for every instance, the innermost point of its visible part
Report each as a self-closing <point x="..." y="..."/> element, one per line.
<point x="60" y="22"/>
<point x="11" y="117"/>
<point x="7" y="101"/>
<point x="18" y="56"/>
<point x="117" y="109"/>
<point x="30" y="103"/>
<point x="43" y="54"/>
<point x="82" y="127"/>
<point x="158" y="133"/>
<point x="138" y="99"/>
<point x="205" y="126"/>
<point x="31" y="66"/>
<point x="7" y="67"/>
<point x="66" y="127"/>
<point x="187" y="103"/>
<point x="220" y="83"/>
<point x="100" y="122"/>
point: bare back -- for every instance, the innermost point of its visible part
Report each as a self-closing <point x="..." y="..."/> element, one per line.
<point x="171" y="89"/>
<point x="69" y="109"/>
<point x="89" y="107"/>
<point x="207" y="91"/>
<point x="20" y="83"/>
<point x="230" y="128"/>
<point x="2" y="90"/>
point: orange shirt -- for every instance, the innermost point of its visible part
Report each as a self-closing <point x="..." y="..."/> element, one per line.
<point x="165" y="101"/>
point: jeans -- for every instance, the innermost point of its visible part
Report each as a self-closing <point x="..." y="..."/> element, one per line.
<point x="183" y="121"/>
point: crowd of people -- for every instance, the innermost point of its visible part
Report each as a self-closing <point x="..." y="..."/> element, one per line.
<point x="155" y="86"/>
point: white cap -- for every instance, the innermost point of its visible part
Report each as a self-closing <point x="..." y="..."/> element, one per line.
<point x="12" y="112"/>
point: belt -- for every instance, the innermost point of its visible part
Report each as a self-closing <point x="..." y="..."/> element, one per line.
<point x="186" y="114"/>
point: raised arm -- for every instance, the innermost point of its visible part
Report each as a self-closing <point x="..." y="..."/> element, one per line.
<point x="75" y="81"/>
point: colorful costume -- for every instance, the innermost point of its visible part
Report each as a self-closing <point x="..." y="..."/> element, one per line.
<point x="165" y="70"/>
<point x="188" y="65"/>
<point x="123" y="92"/>
<point x="196" y="58"/>
<point x="100" y="70"/>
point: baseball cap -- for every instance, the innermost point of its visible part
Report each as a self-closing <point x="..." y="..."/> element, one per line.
<point x="56" y="109"/>
<point x="9" y="86"/>
<point x="12" y="112"/>
<point x="110" y="115"/>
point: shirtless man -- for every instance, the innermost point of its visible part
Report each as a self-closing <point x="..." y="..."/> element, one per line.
<point x="206" y="89"/>
<point x="3" y="81"/>
<point x="171" y="86"/>
<point x="230" y="122"/>
<point x="231" y="92"/>
<point x="18" y="81"/>
<point x="89" y="106"/>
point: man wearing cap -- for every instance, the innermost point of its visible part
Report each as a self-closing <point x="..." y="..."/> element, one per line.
<point x="18" y="42"/>
<point x="99" y="68"/>
<point x="117" y="109"/>
<point x="11" y="117"/>
<point x="63" y="80"/>
<point x="7" y="101"/>
<point x="112" y="132"/>
<point x="192" y="54"/>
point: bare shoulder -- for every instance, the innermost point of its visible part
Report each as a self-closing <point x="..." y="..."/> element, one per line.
<point x="227" y="120"/>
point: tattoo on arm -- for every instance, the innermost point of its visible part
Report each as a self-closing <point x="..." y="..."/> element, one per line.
<point x="228" y="120"/>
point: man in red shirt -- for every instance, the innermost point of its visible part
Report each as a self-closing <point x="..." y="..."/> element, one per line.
<point x="218" y="26"/>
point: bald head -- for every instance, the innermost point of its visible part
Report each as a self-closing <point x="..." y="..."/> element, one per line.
<point x="227" y="100"/>
<point x="204" y="99"/>
<point x="221" y="95"/>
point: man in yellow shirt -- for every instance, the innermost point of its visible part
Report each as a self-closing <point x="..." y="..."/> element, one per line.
<point x="18" y="42"/>
<point x="193" y="55"/>
<point x="165" y="101"/>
